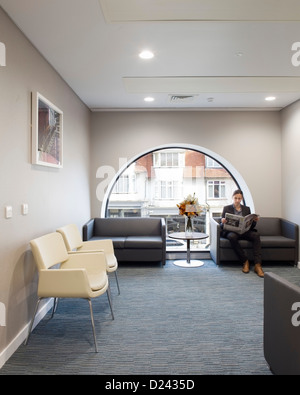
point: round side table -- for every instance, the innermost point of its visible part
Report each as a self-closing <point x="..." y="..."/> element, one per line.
<point x="193" y="236"/>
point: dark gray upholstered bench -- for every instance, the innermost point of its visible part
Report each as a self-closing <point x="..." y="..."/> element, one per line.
<point x="279" y="241"/>
<point x="135" y="239"/>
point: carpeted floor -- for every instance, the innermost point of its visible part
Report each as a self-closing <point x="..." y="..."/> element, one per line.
<point x="168" y="321"/>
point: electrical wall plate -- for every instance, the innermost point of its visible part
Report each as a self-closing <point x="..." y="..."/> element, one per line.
<point x="8" y="211"/>
<point x="24" y="208"/>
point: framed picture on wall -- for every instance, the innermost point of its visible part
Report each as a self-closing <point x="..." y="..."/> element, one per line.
<point x="47" y="132"/>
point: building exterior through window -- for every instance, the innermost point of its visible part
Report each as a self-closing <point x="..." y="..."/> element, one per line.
<point x="155" y="183"/>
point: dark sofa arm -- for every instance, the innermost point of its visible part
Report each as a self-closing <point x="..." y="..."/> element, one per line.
<point x="215" y="233"/>
<point x="291" y="230"/>
<point x="164" y="237"/>
<point x="163" y="228"/>
<point x="88" y="230"/>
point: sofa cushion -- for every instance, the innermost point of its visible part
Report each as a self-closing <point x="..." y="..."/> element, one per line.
<point x="277" y="241"/>
<point x="143" y="242"/>
<point x="225" y="243"/>
<point x="134" y="241"/>
<point x="266" y="241"/>
<point x="118" y="242"/>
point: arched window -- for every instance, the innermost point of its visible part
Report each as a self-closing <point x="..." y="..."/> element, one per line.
<point x="154" y="183"/>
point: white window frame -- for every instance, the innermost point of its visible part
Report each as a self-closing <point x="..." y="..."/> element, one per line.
<point x="161" y="159"/>
<point x="211" y="184"/>
<point x="211" y="163"/>
<point x="125" y="184"/>
<point x="169" y="188"/>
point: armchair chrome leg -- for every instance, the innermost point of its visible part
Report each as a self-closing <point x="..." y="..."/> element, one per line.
<point x="93" y="325"/>
<point x="32" y="320"/>
<point x="109" y="301"/>
<point x="55" y="303"/>
<point x="117" y="282"/>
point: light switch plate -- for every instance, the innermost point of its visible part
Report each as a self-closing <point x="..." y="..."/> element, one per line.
<point x="24" y="208"/>
<point x="8" y="211"/>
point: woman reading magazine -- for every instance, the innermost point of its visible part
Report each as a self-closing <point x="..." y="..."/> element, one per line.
<point x="251" y="235"/>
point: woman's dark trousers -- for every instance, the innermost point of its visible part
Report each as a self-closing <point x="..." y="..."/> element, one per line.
<point x="250" y="236"/>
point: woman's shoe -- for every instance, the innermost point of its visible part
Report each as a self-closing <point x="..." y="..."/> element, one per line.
<point x="258" y="270"/>
<point x="246" y="267"/>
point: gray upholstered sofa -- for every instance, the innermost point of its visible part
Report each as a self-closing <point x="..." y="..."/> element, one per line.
<point x="135" y="239"/>
<point x="279" y="241"/>
<point x="281" y="325"/>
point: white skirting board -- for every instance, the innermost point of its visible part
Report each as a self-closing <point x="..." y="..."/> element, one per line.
<point x="21" y="336"/>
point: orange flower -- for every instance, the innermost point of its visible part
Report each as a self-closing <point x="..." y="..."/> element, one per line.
<point x="189" y="206"/>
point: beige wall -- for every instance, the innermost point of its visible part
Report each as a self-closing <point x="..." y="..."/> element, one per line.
<point x="249" y="141"/>
<point x="55" y="196"/>
<point x="291" y="162"/>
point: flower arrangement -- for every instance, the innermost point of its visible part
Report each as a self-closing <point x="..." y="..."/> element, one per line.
<point x="190" y="206"/>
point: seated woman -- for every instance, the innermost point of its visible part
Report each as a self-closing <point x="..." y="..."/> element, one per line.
<point x="238" y="209"/>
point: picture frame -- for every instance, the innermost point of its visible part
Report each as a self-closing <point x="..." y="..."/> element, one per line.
<point x="47" y="132"/>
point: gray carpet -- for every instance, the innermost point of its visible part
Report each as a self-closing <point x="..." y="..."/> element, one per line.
<point x="168" y="321"/>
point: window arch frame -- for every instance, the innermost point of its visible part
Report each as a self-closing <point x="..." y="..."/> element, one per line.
<point x="239" y="180"/>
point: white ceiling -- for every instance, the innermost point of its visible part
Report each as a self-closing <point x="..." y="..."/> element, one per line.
<point x="220" y="53"/>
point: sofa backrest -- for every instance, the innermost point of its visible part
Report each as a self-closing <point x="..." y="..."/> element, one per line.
<point x="266" y="226"/>
<point x="269" y="226"/>
<point x="130" y="226"/>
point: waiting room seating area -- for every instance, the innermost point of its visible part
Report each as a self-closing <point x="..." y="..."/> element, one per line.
<point x="74" y="244"/>
<point x="65" y="272"/>
<point x="72" y="268"/>
<point x="279" y="241"/>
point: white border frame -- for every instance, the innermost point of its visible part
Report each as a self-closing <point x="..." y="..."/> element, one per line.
<point x="36" y="96"/>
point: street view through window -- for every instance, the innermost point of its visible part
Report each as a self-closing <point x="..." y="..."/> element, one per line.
<point x="154" y="184"/>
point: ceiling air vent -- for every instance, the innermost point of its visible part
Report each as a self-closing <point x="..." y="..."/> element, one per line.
<point x="181" y="98"/>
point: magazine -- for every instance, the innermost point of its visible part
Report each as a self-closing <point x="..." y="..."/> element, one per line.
<point x="238" y="224"/>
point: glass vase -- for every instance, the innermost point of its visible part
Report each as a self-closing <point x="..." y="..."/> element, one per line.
<point x="189" y="226"/>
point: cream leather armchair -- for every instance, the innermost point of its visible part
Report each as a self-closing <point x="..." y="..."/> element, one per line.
<point x="78" y="276"/>
<point x="75" y="244"/>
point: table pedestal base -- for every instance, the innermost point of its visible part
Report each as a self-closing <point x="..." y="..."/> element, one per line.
<point x="182" y="236"/>
<point x="192" y="263"/>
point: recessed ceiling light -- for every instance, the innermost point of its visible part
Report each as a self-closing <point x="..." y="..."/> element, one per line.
<point x="270" y="98"/>
<point x="146" y="54"/>
<point x="149" y="99"/>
